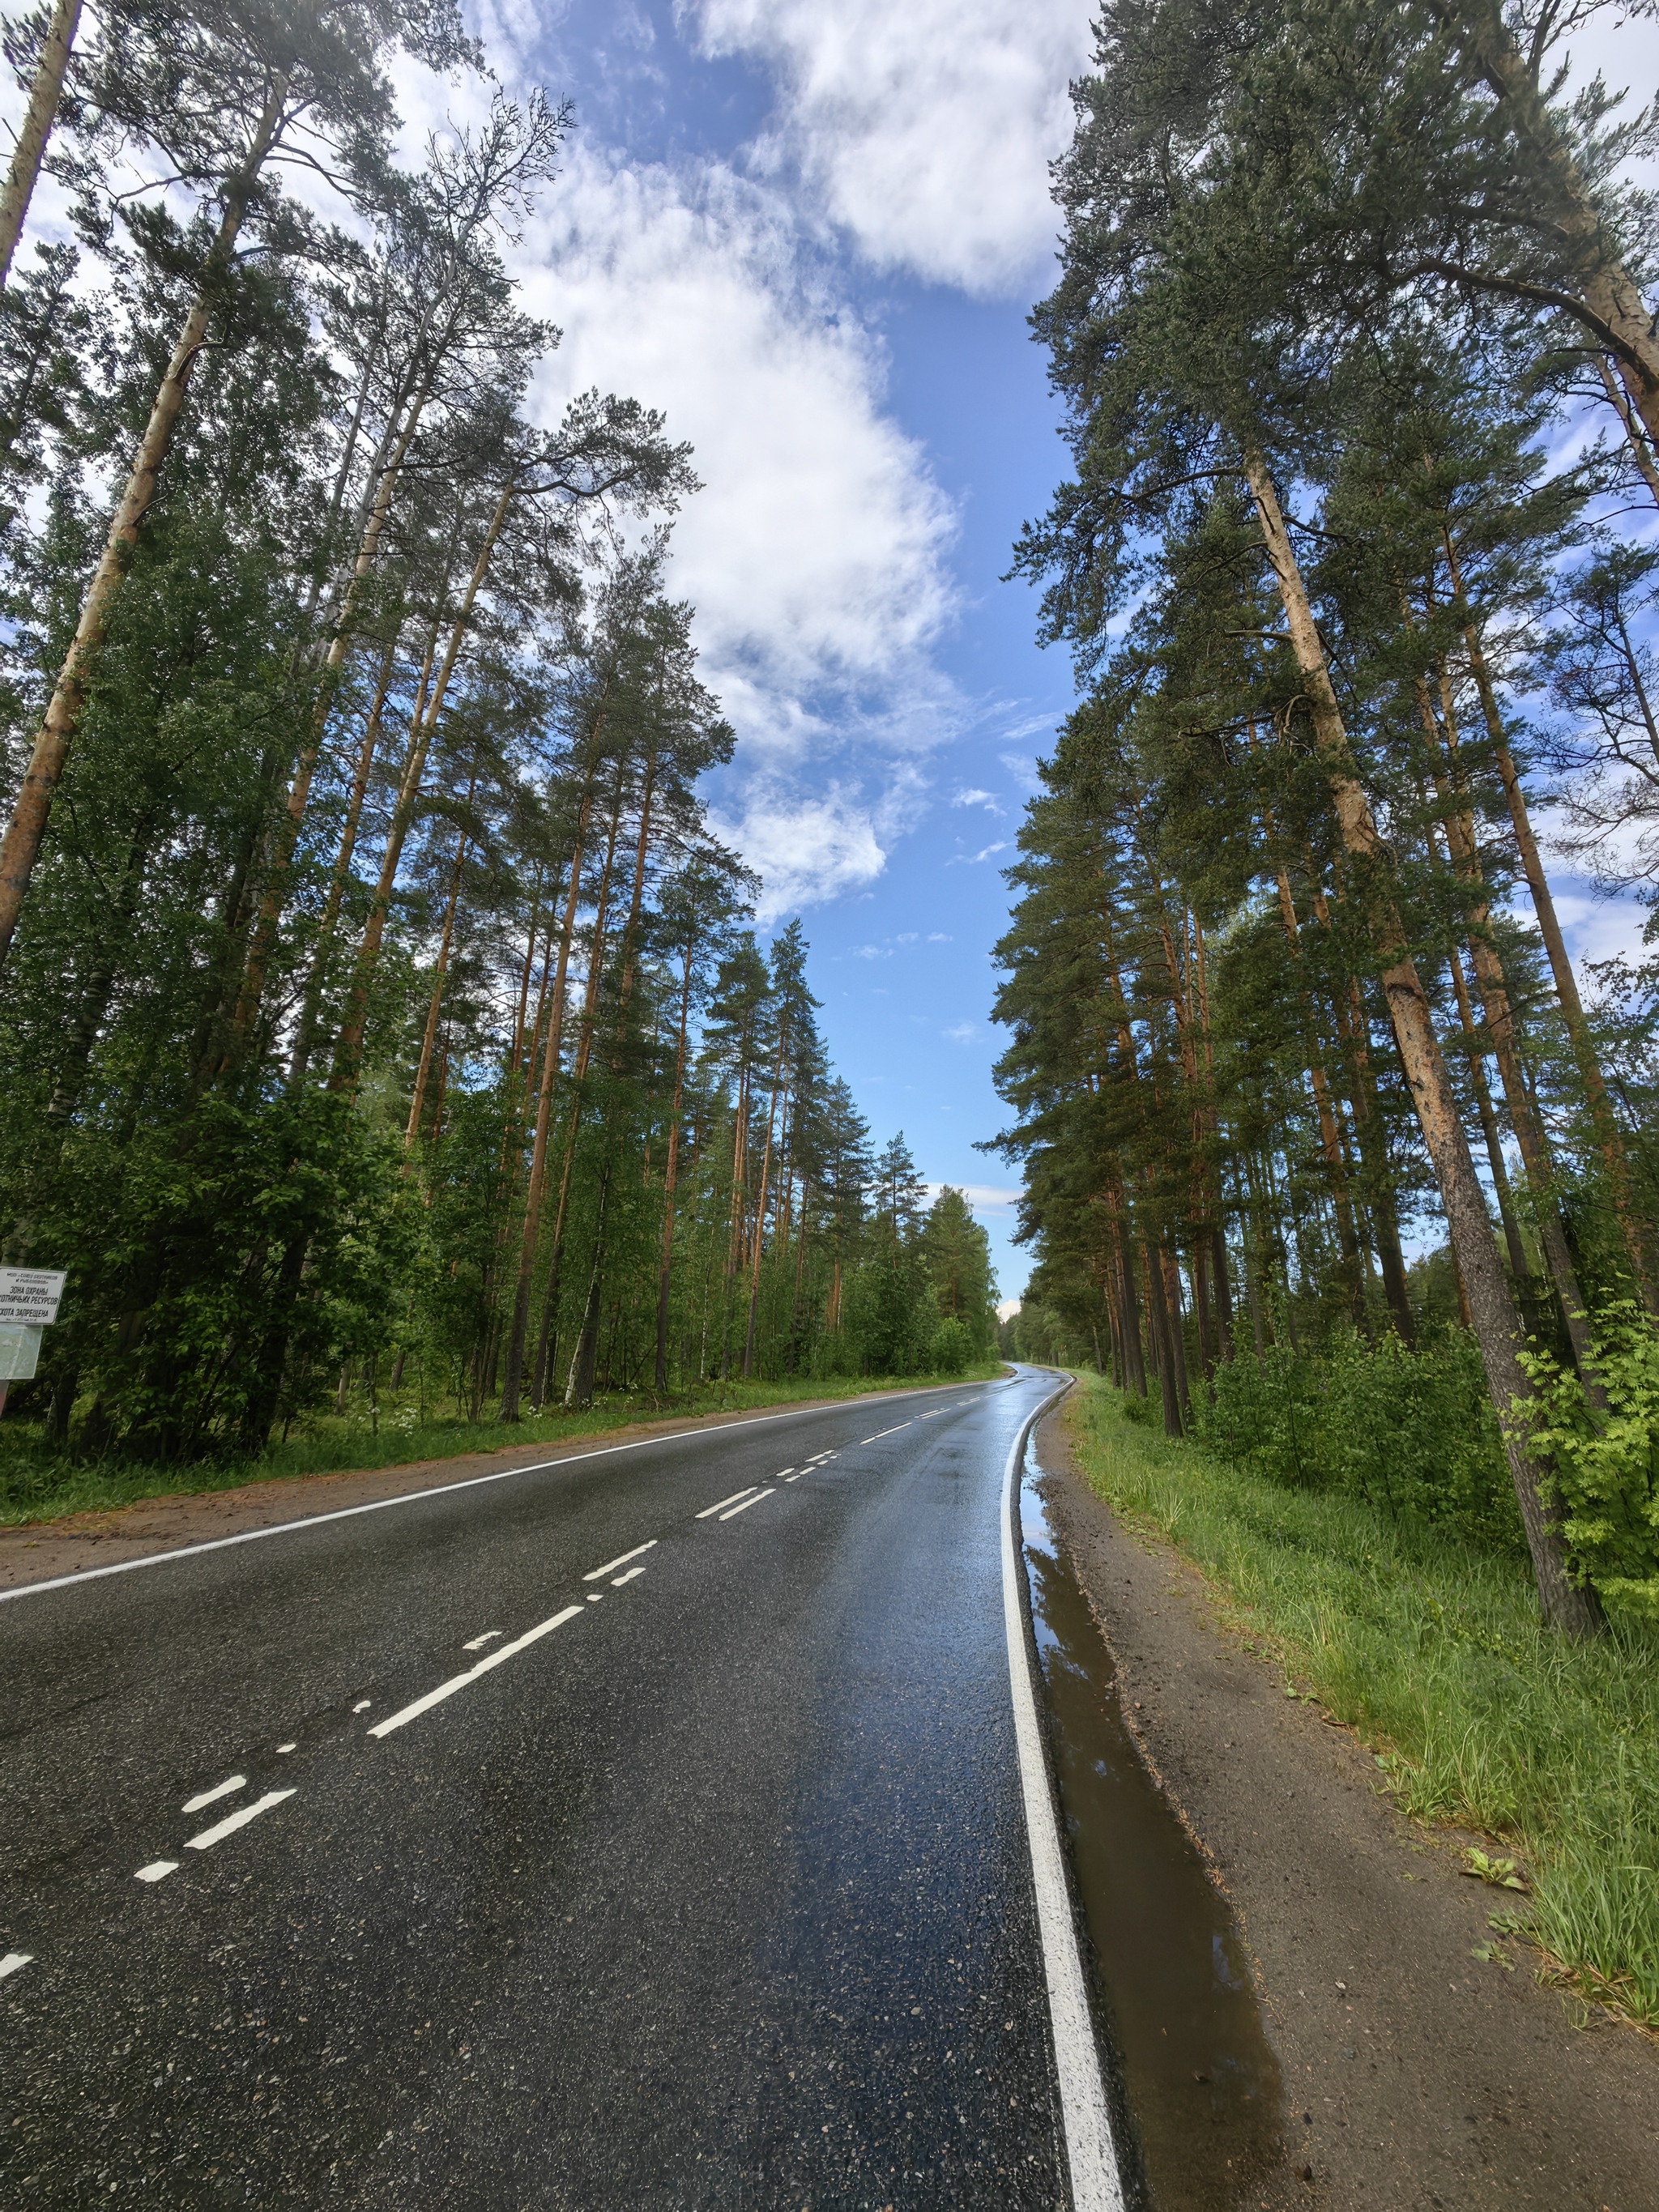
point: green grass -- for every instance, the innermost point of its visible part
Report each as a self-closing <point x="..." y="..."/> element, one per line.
<point x="1432" y="1651"/>
<point x="38" y="1485"/>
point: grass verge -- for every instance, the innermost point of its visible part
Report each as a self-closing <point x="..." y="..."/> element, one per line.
<point x="1432" y="1651"/>
<point x="38" y="1485"/>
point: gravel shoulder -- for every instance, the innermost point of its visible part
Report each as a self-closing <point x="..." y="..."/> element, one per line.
<point x="1415" y="2075"/>
<point x="37" y="1551"/>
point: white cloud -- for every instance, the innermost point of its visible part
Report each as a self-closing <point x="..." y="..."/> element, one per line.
<point x="971" y="859"/>
<point x="961" y="1032"/>
<point x="815" y="552"/>
<point x="925" y="131"/>
<point x="969" y="797"/>
<point x="805" y="844"/>
<point x="940" y="937"/>
<point x="983" y="1197"/>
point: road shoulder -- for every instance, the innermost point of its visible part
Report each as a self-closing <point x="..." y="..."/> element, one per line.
<point x="1415" y="2075"/>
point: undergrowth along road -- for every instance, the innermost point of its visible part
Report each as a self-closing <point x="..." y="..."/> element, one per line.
<point x="1432" y="1650"/>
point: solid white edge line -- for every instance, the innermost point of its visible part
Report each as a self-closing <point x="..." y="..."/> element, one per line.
<point x="438" y="1490"/>
<point x="208" y="1837"/>
<point x="596" y="1574"/>
<point x="747" y="1503"/>
<point x="13" y="1961"/>
<point x="459" y="1682"/>
<point x="212" y="1797"/>
<point x="1090" y="2154"/>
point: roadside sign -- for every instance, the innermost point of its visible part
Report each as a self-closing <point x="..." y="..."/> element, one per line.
<point x="31" y="1295"/>
<point x="20" y="1351"/>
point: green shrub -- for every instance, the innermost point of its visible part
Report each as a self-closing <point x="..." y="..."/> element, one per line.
<point x="953" y="1347"/>
<point x="1606" y="1464"/>
<point x="1412" y="1432"/>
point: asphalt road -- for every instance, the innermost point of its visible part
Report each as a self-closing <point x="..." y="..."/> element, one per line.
<point x="648" y="1831"/>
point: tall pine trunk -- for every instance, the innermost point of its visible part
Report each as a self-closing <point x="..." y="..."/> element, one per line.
<point x="44" y="93"/>
<point x="1565" y="1604"/>
<point x="22" y="845"/>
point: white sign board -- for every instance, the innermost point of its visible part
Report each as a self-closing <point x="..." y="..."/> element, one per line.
<point x="20" y="1351"/>
<point x="30" y="1294"/>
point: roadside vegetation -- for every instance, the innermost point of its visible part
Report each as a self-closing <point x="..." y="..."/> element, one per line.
<point x="382" y="1022"/>
<point x="1357" y="564"/>
<point x="1424" y="1635"/>
<point x="37" y="1485"/>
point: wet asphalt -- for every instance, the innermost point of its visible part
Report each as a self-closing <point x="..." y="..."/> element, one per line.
<point x="717" y="1894"/>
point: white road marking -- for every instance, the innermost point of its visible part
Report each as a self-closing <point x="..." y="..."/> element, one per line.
<point x="478" y="1642"/>
<point x="880" y="1433"/>
<point x="418" y="1496"/>
<point x="610" y="1566"/>
<point x="460" y="1681"/>
<point x="793" y="1478"/>
<point x="12" y="1961"/>
<point x="732" y="1500"/>
<point x="287" y="1747"/>
<point x="628" y="1578"/>
<point x="212" y="1797"/>
<point x="209" y="1837"/>
<point x="596" y="1597"/>
<point x="746" y="1505"/>
<point x="157" y="1870"/>
<point x="362" y="1704"/>
<point x="1090" y="2156"/>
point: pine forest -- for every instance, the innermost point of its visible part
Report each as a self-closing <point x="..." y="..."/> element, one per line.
<point x="1357" y="563"/>
<point x="382" y="1024"/>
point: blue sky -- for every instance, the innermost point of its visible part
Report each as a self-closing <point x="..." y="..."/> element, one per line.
<point x="813" y="236"/>
<point x="811" y="230"/>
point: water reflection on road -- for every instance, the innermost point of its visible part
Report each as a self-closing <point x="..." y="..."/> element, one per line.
<point x="1200" y="2079"/>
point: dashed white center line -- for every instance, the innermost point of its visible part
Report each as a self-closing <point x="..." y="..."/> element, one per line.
<point x="479" y="1641"/>
<point x="719" y="1502"/>
<point x="596" y="1597"/>
<point x="460" y="1681"/>
<point x="209" y="1837"/>
<point x="880" y="1433"/>
<point x="628" y="1578"/>
<point x="610" y="1566"/>
<point x="12" y="1961"/>
<point x="157" y="1870"/>
<point x="212" y="1797"/>
<point x="746" y="1505"/>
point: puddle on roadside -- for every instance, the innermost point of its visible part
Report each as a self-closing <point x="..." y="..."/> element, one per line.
<point x="1200" y="2077"/>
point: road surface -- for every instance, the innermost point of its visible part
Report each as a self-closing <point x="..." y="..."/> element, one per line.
<point x="649" y="1830"/>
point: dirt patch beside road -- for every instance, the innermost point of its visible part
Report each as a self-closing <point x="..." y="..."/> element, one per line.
<point x="37" y="1551"/>
<point x="1415" y="2075"/>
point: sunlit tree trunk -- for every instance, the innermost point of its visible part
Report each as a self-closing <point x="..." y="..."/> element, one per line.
<point x="1495" y="1323"/>
<point x="44" y="93"/>
<point x="33" y="809"/>
<point x="1608" y="1139"/>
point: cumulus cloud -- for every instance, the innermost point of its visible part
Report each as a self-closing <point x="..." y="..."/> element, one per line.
<point x="816" y="551"/>
<point x="924" y="130"/>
